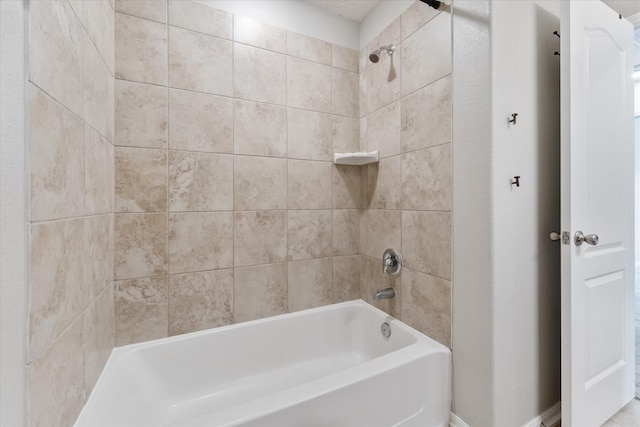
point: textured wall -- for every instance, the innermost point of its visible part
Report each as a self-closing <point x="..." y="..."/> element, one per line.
<point x="228" y="207"/>
<point x="70" y="107"/>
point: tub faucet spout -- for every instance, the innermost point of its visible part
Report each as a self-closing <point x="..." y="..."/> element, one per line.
<point x="385" y="293"/>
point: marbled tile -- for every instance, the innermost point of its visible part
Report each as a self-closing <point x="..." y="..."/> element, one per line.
<point x="384" y="183"/>
<point x="98" y="92"/>
<point x="140" y="115"/>
<point x="200" y="122"/>
<point x="99" y="336"/>
<point x="56" y="52"/>
<point x="199" y="17"/>
<point x="140" y="50"/>
<point x="426" y="304"/>
<point x="156" y="10"/>
<point x="140" y="180"/>
<point x="363" y="59"/>
<point x="200" y="62"/>
<point x="363" y="131"/>
<point x="308" y="85"/>
<point x="391" y="34"/>
<point x="98" y="173"/>
<point x="200" y="181"/>
<point x="98" y="18"/>
<point x="260" y="291"/>
<point x="200" y="301"/>
<point x="309" y="184"/>
<point x="421" y="130"/>
<point x="260" y="237"/>
<point x="372" y="280"/>
<point x="426" y="179"/>
<point x="426" y="242"/>
<point x="416" y="16"/>
<point x="310" y="283"/>
<point x="347" y="187"/>
<point x="345" y="58"/>
<point x="305" y="47"/>
<point x="346" y="231"/>
<point x="255" y="33"/>
<point x="96" y="254"/>
<point x="259" y="74"/>
<point x="260" y="129"/>
<point x="141" y="310"/>
<point x="345" y="134"/>
<point x="260" y="183"/>
<point x="77" y="6"/>
<point x="55" y="381"/>
<point x="346" y="278"/>
<point x="380" y="83"/>
<point x="200" y="241"/>
<point x="384" y="130"/>
<point x="383" y="231"/>
<point x="140" y="246"/>
<point x="56" y="159"/>
<point x="345" y="93"/>
<point x="58" y="292"/>
<point x="309" y="135"/>
<point x="426" y="54"/>
<point x="309" y="234"/>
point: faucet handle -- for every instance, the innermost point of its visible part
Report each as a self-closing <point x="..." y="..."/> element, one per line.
<point x="391" y="262"/>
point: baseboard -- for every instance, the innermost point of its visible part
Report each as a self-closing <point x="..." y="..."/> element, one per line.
<point x="456" y="421"/>
<point x="549" y="418"/>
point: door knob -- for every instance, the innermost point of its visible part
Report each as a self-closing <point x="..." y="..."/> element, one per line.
<point x="590" y="239"/>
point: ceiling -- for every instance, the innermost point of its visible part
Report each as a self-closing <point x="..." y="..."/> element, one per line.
<point x="625" y="8"/>
<point x="355" y="10"/>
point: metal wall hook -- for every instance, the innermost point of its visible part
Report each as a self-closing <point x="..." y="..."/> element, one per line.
<point x="516" y="181"/>
<point x="513" y="118"/>
<point x="556" y="33"/>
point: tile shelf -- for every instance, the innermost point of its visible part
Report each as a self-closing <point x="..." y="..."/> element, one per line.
<point x="355" y="159"/>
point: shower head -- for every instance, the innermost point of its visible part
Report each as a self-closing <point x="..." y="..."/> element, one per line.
<point x="375" y="55"/>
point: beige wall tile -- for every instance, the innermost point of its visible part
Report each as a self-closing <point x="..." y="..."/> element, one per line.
<point x="200" y="181"/>
<point x="140" y="180"/>
<point x="58" y="291"/>
<point x="200" y="62"/>
<point x="384" y="184"/>
<point x="345" y="89"/>
<point x="391" y="34"/>
<point x="309" y="184"/>
<point x="383" y="231"/>
<point x="260" y="291"/>
<point x="305" y="47"/>
<point x="98" y="92"/>
<point x="98" y="18"/>
<point x="200" y="301"/>
<point x="55" y="381"/>
<point x="260" y="183"/>
<point x="56" y="51"/>
<point x="426" y="305"/>
<point x="199" y="17"/>
<point x="420" y="130"/>
<point x="346" y="278"/>
<point x="346" y="134"/>
<point x="426" y="179"/>
<point x="380" y="83"/>
<point x="309" y="135"/>
<point x="259" y="75"/>
<point x="99" y="336"/>
<point x="384" y="130"/>
<point x="140" y="115"/>
<point x="309" y="234"/>
<point x="156" y="10"/>
<point x="96" y="253"/>
<point x="259" y="129"/>
<point x="373" y="280"/>
<point x="99" y="173"/>
<point x="140" y="246"/>
<point x="200" y="122"/>
<point x="310" y="284"/>
<point x="347" y="187"/>
<point x="141" y="310"/>
<point x="260" y="237"/>
<point x="140" y="50"/>
<point x="426" y="54"/>
<point x="346" y="232"/>
<point x="200" y="241"/>
<point x="345" y="58"/>
<point x="308" y="85"/>
<point x="255" y="33"/>
<point x="426" y="242"/>
<point x="57" y="159"/>
<point x="416" y="16"/>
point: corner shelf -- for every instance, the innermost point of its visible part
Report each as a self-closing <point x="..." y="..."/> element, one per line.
<point x="355" y="159"/>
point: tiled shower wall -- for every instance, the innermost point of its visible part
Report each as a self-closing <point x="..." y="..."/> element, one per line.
<point x="70" y="143"/>
<point x="405" y="109"/>
<point x="228" y="207"/>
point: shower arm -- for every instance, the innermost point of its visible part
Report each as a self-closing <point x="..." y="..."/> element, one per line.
<point x="433" y="3"/>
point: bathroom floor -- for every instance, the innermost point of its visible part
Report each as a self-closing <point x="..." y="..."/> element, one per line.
<point x="629" y="416"/>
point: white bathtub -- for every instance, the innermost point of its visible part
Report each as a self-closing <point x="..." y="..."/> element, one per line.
<point x="328" y="366"/>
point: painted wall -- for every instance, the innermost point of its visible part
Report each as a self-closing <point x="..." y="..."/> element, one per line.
<point x="513" y="297"/>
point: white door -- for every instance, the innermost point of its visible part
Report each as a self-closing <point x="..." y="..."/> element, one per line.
<point x="597" y="198"/>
